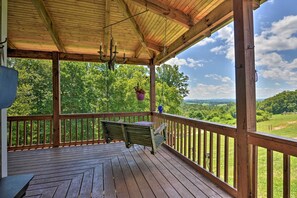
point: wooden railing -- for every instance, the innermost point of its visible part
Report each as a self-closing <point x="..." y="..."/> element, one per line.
<point x="209" y="147"/>
<point x="29" y="132"/>
<point x="32" y="132"/>
<point x="274" y="155"/>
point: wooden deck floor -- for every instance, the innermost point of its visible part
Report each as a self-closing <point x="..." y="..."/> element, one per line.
<point x="109" y="170"/>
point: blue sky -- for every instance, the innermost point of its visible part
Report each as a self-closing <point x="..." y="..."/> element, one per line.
<point x="210" y="63"/>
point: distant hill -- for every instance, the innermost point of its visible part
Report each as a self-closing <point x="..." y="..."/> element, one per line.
<point x="283" y="102"/>
<point x="209" y="101"/>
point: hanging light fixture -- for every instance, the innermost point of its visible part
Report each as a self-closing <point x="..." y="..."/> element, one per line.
<point x="112" y="54"/>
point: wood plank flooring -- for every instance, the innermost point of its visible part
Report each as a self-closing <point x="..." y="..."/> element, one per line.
<point x="109" y="170"/>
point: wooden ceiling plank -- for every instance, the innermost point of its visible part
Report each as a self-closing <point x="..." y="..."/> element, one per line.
<point x="40" y="7"/>
<point x="218" y="17"/>
<point x="126" y="11"/>
<point x="107" y="30"/>
<point x="162" y="9"/>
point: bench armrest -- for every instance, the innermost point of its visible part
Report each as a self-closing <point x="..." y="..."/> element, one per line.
<point x="161" y="128"/>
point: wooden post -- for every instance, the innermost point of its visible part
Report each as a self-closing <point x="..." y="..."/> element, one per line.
<point x="3" y="118"/>
<point x="245" y="91"/>
<point x="152" y="88"/>
<point x="56" y="99"/>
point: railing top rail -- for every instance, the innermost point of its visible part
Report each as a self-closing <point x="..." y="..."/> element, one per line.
<point x="101" y="115"/>
<point x="29" y="117"/>
<point x="273" y="142"/>
<point x="210" y="126"/>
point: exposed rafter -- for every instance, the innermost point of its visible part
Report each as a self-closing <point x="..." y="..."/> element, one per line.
<point x="40" y="7"/>
<point x="107" y="30"/>
<point x="213" y="21"/>
<point x="126" y="11"/>
<point x="138" y="51"/>
<point x="160" y="8"/>
<point x="10" y="44"/>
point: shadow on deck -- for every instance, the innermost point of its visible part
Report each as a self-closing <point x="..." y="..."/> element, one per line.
<point x="109" y="170"/>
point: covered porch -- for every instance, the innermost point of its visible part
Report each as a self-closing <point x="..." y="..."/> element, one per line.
<point x="199" y="159"/>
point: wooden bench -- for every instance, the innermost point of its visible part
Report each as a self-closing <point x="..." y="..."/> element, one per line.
<point x="133" y="133"/>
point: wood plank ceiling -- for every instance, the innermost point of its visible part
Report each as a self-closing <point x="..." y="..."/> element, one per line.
<point x="75" y="28"/>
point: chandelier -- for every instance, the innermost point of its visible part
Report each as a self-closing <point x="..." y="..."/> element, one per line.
<point x="112" y="55"/>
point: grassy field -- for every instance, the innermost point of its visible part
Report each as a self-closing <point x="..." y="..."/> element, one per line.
<point x="282" y="125"/>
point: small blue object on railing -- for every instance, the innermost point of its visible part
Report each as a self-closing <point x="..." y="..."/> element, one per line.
<point x="160" y="108"/>
<point x="8" y="86"/>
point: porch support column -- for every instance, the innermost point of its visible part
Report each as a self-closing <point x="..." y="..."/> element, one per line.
<point x="152" y="88"/>
<point x="245" y="91"/>
<point x="3" y="61"/>
<point x="56" y="99"/>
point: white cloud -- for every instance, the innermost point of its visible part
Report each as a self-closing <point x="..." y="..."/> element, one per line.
<point x="204" y="42"/>
<point x="189" y="62"/>
<point x="280" y="36"/>
<point x="227" y="36"/>
<point x="267" y="92"/>
<point x="205" y="91"/>
<point x="224" y="79"/>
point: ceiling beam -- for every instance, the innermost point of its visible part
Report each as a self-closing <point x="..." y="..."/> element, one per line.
<point x="13" y="53"/>
<point x="210" y="23"/>
<point x="106" y="30"/>
<point x="40" y="7"/>
<point x="127" y="13"/>
<point x="170" y="13"/>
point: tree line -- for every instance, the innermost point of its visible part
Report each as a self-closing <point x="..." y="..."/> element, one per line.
<point x="92" y="88"/>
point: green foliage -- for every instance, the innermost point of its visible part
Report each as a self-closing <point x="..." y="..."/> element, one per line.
<point x="90" y="88"/>
<point x="34" y="95"/>
<point x="280" y="103"/>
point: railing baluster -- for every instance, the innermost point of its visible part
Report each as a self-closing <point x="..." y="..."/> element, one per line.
<point x="235" y="164"/>
<point x="10" y="133"/>
<point x="211" y="152"/>
<point x="189" y="142"/>
<point x="64" y="130"/>
<point x="25" y="133"/>
<point x="17" y="133"/>
<point x="31" y="132"/>
<point x="199" y="146"/>
<point x="194" y="143"/>
<point x="38" y="132"/>
<point x="204" y="148"/>
<point x="76" y="128"/>
<point x="93" y="138"/>
<point x="82" y="130"/>
<point x="218" y="155"/>
<point x="181" y="138"/>
<point x="51" y="133"/>
<point x="87" y="131"/>
<point x="226" y="162"/>
<point x="269" y="173"/>
<point x="185" y="139"/>
<point x="178" y="137"/>
<point x="254" y="171"/>
<point x="286" y="178"/>
<point x="44" y="132"/>
<point x="70" y="131"/>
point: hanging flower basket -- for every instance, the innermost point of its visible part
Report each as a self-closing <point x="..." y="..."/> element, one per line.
<point x="140" y="96"/>
<point x="140" y="93"/>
